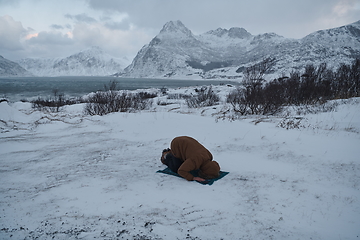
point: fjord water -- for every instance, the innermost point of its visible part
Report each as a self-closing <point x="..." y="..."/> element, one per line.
<point x="27" y="88"/>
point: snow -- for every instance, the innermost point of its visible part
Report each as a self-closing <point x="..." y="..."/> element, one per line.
<point x="67" y="175"/>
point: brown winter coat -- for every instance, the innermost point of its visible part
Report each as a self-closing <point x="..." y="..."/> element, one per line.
<point x="195" y="156"/>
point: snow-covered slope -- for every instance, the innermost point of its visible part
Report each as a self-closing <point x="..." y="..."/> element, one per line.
<point x="176" y="52"/>
<point x="12" y="69"/>
<point x="70" y="176"/>
<point x="90" y="62"/>
<point x="333" y="46"/>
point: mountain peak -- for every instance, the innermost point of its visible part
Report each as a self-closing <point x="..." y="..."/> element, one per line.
<point x="219" y="32"/>
<point x="175" y="27"/>
<point x="234" y="32"/>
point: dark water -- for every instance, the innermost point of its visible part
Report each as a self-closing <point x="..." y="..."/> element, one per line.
<point x="16" y="89"/>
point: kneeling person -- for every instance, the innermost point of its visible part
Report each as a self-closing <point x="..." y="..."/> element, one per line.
<point x="193" y="156"/>
<point x="170" y="160"/>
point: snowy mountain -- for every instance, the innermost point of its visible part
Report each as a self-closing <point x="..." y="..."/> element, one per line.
<point x="12" y="69"/>
<point x="177" y="52"/>
<point x="169" y="52"/>
<point x="332" y="46"/>
<point x="90" y="62"/>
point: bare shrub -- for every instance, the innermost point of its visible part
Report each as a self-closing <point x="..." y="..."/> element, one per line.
<point x="111" y="100"/>
<point x="54" y="104"/>
<point x="237" y="99"/>
<point x="164" y="90"/>
<point x="314" y="87"/>
<point x="146" y="95"/>
<point x="255" y="97"/>
<point x="204" y="97"/>
<point x="102" y="103"/>
<point x="291" y="123"/>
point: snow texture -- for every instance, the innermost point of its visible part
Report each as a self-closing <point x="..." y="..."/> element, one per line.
<point x="70" y="176"/>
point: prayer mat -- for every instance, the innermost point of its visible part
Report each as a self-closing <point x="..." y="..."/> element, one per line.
<point x="195" y="174"/>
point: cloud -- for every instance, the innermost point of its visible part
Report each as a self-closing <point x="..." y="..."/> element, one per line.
<point x="339" y="13"/>
<point x="31" y="35"/>
<point x="17" y="42"/>
<point x="81" y="18"/>
<point x="117" y="25"/>
<point x="47" y="39"/>
<point x="9" y="2"/>
<point x="111" y="31"/>
<point x="56" y="26"/>
<point x="122" y="27"/>
<point x="115" y="21"/>
<point x="347" y="10"/>
<point x="289" y="18"/>
<point x="48" y="44"/>
<point x="345" y="7"/>
<point x="117" y="41"/>
<point x="11" y="33"/>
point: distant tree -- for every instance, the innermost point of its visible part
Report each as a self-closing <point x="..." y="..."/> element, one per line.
<point x="292" y="88"/>
<point x="254" y="75"/>
<point x="253" y="96"/>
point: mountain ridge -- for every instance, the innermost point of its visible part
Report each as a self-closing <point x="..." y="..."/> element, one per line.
<point x="92" y="61"/>
<point x="175" y="52"/>
<point x="219" y="53"/>
<point x="12" y="69"/>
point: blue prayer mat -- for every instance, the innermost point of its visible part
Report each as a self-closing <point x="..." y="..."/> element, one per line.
<point x="195" y="174"/>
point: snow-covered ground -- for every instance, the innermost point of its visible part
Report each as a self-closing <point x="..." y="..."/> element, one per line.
<point x="70" y="176"/>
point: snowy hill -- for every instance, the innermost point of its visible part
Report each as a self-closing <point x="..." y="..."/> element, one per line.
<point x="177" y="52"/>
<point x="90" y="62"/>
<point x="68" y="175"/>
<point x="12" y="69"/>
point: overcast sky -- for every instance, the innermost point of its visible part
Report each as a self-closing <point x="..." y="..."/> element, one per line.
<point x="59" y="28"/>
